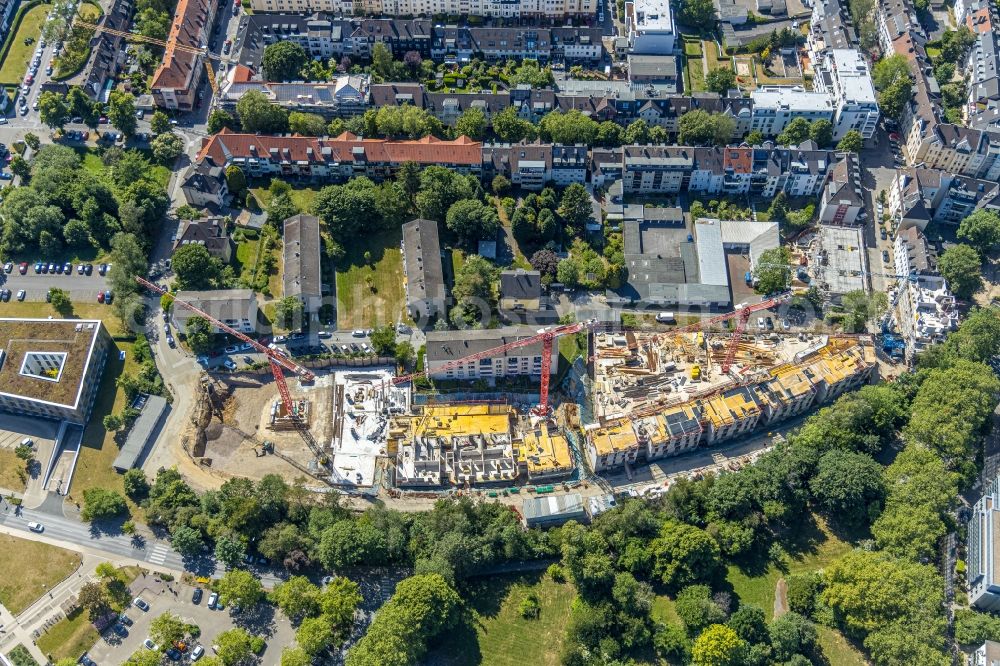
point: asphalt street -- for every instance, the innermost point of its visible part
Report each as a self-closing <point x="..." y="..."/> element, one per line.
<point x="71" y="533"/>
<point x="81" y="288"/>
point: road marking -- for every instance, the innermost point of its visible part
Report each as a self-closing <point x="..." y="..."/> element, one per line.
<point x="158" y="554"/>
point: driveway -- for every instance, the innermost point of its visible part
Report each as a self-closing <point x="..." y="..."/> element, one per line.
<point x="81" y="288"/>
<point x="266" y="622"/>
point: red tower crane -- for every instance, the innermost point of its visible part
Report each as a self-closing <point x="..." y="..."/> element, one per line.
<point x="277" y="361"/>
<point x="546" y="337"/>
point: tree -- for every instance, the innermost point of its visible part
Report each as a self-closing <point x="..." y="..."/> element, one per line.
<point x="721" y="80"/>
<point x="500" y="184"/>
<point x="569" y="127"/>
<point x="187" y="541"/>
<point x="60" y="301"/>
<point x="241" y="588"/>
<point x="568" y="272"/>
<point x="32" y="140"/>
<point x="257" y="114"/>
<point x="696" y="609"/>
<point x="230" y="550"/>
<point x="94" y="599"/>
<point x="295" y="656"/>
<point x="700" y="128"/>
<point x="802" y="591"/>
<point x="297" y="598"/>
<point x="136" y="485"/>
<point x="112" y="422"/>
<point x="121" y="112"/>
<point x="195" y="268"/>
<point x="144" y="657"/>
<point x="20" y="167"/>
<point x="848" y="486"/>
<point x="159" y="122"/>
<point x="167" y="147"/>
<point x="288" y="312"/>
<point x="405" y="353"/>
<point x="576" y="208"/>
<point x="283" y="61"/>
<point x="699" y="14"/>
<point x="893" y="99"/>
<point x="218" y="119"/>
<point x="671" y="643"/>
<point x="167" y="629"/>
<point x="755" y="138"/>
<point x="510" y="127"/>
<point x="545" y="262"/>
<point x="860" y="308"/>
<point x="53" y="109"/>
<point x="852" y="142"/>
<point x="471" y="220"/>
<point x="795" y="132"/>
<point x="235" y="645"/>
<point x="347" y="209"/>
<point x="381" y="60"/>
<point x="306" y="124"/>
<point x="199" y="335"/>
<point x="609" y="134"/>
<point x="422" y="608"/>
<point x="955" y="44"/>
<point x="887" y="71"/>
<point x="637" y="133"/>
<point x="821" y="131"/>
<point x="973" y="628"/>
<point x="684" y="554"/>
<point x="960" y="267"/>
<point x="772" y="272"/>
<point x="471" y="123"/>
<point x="384" y="340"/>
<point x="719" y="646"/>
<point x="981" y="230"/>
<point x="792" y="634"/>
<point x="314" y="635"/>
<point x="102" y="503"/>
<point x="473" y="291"/>
<point x="280" y="209"/>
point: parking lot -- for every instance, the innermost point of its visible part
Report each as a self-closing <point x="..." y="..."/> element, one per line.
<point x="266" y="622"/>
<point x="36" y="285"/>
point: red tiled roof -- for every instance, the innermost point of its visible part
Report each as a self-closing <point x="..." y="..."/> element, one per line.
<point x="740" y="160"/>
<point x="242" y="74"/>
<point x="190" y="19"/>
<point x="227" y="145"/>
<point x="980" y="21"/>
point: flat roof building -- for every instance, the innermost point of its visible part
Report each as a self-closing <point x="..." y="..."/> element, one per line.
<point x="553" y="510"/>
<point x="544" y="452"/>
<point x="844" y="75"/>
<point x="983" y="570"/>
<point x="51" y="368"/>
<point x="776" y="106"/>
<point x="143" y="431"/>
<point x="650" y="26"/>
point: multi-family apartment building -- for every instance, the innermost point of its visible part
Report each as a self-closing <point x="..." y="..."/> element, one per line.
<point x="776" y="106"/>
<point x="842" y="200"/>
<point x="532" y="166"/>
<point x="919" y="195"/>
<point x="817" y="375"/>
<point x="336" y="159"/>
<point x="830" y="27"/>
<point x="343" y="96"/>
<point x="555" y="9"/>
<point x="236" y="308"/>
<point x="51" y="368"/>
<point x="650" y="27"/>
<point x="446" y="347"/>
<point x="894" y="18"/>
<point x="983" y="539"/>
<point x="175" y="82"/>
<point x="927" y="308"/>
<point x="844" y="75"/>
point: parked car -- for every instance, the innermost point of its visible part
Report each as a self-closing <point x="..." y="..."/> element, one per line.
<point x="23" y="268"/>
<point x="150" y="645"/>
<point x="232" y="349"/>
<point x="100" y="297"/>
<point x="230" y="364"/>
<point x="8" y="267"/>
<point x="358" y="333"/>
<point x="125" y="619"/>
<point x="173" y="655"/>
<point x="36" y="527"/>
<point x="102" y="269"/>
<point x="38" y="267"/>
<point x="197" y="653"/>
<point x="108" y="296"/>
<point x="68" y="268"/>
<point x="4" y="295"/>
<point x="79" y="269"/>
<point x="121" y="630"/>
<point x="885" y="256"/>
<point x="882" y="234"/>
<point x="213" y="599"/>
<point x="141" y="604"/>
<point x="196" y="596"/>
<point x="21" y="294"/>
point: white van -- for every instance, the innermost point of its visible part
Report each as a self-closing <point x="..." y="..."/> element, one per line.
<point x="665" y="318"/>
<point x="27" y="441"/>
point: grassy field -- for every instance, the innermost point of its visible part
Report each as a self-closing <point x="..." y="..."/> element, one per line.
<point x="663" y="610"/>
<point x="837" y="650"/>
<point x="711" y="50"/>
<point x="93" y="469"/>
<point x="15" y="63"/>
<point x="817" y="548"/>
<point x="89" y="11"/>
<point x="301" y="197"/>
<point x="69" y="638"/>
<point x="497" y="635"/>
<point x="358" y="305"/>
<point x="38" y="566"/>
<point x="92" y="162"/>
<point x="12" y="473"/>
<point x="695" y="74"/>
<point x="42" y="310"/>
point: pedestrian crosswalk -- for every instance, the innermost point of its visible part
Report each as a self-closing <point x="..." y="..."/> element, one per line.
<point x="158" y="554"/>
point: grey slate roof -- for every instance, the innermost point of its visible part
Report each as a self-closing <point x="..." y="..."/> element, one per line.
<point x="301" y="248"/>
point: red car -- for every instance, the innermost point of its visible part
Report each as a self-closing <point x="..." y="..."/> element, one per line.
<point x="100" y="297"/>
<point x="23" y="268"/>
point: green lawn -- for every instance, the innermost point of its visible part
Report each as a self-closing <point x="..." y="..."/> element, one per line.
<point x="15" y="63"/>
<point x="711" y="50"/>
<point x="361" y="306"/>
<point x="88" y="310"/>
<point x="695" y="74"/>
<point x="69" y="638"/>
<point x="837" y="650"/>
<point x="497" y="635"/>
<point x="89" y="11"/>
<point x="92" y="162"/>
<point x="692" y="47"/>
<point x="13" y="475"/>
<point x="664" y="611"/>
<point x="302" y="197"/>
<point x="38" y="566"/>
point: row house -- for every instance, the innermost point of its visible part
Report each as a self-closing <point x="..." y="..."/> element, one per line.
<point x="927" y="308"/>
<point x="175" y="82"/>
<point x="816" y="376"/>
<point x="554" y="9"/>
<point x="762" y="171"/>
<point x="533" y="165"/>
<point x="894" y="18"/>
<point x="566" y="44"/>
<point x="830" y="27"/>
<point x="843" y="74"/>
<point x="919" y="195"/>
<point x="983" y="80"/>
<point x="842" y="200"/>
<point x="336" y="159"/>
